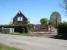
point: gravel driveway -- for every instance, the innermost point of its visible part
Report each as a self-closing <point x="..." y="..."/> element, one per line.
<point x="33" y="43"/>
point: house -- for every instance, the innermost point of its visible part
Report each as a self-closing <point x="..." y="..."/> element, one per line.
<point x="39" y="28"/>
<point x="19" y="24"/>
<point x="20" y="19"/>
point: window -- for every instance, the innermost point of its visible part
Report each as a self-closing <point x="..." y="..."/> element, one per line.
<point x="20" y="19"/>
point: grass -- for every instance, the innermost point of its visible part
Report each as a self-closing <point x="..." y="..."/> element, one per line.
<point x="4" y="47"/>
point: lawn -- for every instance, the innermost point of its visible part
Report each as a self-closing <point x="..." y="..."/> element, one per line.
<point x="4" y="47"/>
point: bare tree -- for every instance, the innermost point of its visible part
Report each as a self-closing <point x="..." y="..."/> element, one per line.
<point x="65" y="5"/>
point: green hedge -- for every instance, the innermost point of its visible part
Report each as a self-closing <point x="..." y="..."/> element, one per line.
<point x="17" y="28"/>
<point x="62" y="30"/>
<point x="21" y="29"/>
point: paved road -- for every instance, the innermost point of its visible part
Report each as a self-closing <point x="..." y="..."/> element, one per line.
<point x="33" y="43"/>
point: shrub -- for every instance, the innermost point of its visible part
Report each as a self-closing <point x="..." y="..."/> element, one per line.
<point x="17" y="28"/>
<point x="21" y="29"/>
<point x="62" y="30"/>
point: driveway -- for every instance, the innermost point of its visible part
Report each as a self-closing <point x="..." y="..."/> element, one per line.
<point x="33" y="43"/>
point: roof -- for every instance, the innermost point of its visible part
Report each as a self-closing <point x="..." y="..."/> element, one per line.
<point x="19" y="14"/>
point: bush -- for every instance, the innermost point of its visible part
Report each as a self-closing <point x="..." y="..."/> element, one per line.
<point x="62" y="30"/>
<point x="17" y="28"/>
<point x="21" y="29"/>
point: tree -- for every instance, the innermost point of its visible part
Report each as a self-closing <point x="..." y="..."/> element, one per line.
<point x="65" y="5"/>
<point x="55" y="19"/>
<point x="62" y="30"/>
<point x="43" y="20"/>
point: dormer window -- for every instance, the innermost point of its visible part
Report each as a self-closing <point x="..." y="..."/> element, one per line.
<point x="19" y="19"/>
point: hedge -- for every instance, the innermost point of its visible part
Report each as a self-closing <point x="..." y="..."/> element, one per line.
<point x="62" y="30"/>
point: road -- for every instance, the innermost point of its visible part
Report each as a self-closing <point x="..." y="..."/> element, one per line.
<point x="33" y="43"/>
